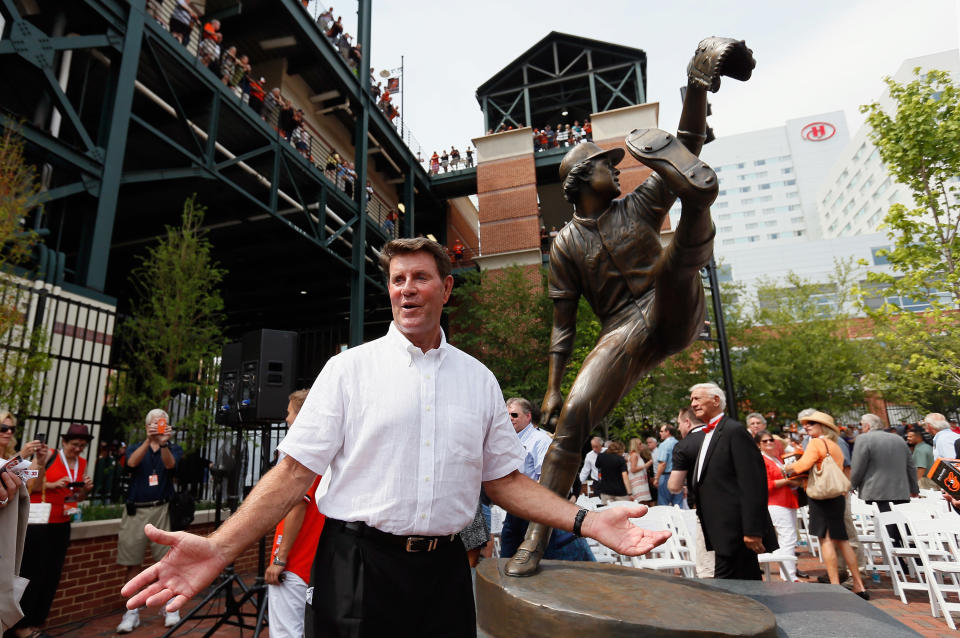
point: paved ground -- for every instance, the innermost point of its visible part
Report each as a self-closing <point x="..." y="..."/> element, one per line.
<point x="915" y="614"/>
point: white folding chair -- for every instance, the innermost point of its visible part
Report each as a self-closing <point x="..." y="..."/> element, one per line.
<point x="668" y="556"/>
<point x="938" y="542"/>
<point x="768" y="558"/>
<point x="893" y="555"/>
<point x="864" y="520"/>
<point x="803" y="529"/>
<point x="922" y="507"/>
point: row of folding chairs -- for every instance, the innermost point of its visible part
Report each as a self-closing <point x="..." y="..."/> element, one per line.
<point x="927" y="557"/>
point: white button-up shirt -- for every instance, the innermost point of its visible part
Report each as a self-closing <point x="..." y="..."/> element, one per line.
<point x="408" y="436"/>
<point x="943" y="444"/>
<point x="535" y="441"/>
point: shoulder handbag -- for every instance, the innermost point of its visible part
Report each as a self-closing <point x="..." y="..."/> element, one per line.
<point x="827" y="481"/>
<point x="40" y="512"/>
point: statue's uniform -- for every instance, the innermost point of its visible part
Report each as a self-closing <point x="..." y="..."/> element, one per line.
<point x="649" y="299"/>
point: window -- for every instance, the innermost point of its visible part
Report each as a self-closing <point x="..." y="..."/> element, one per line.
<point x="725" y="217"/>
<point x="746" y="200"/>
<point x="726" y="229"/>
<point x="770" y="222"/>
<point x="786" y="171"/>
<point x="740" y="165"/>
<point x="860" y="151"/>
<point x="744" y="189"/>
<point x="793" y="195"/>
<point x="721" y="204"/>
<point x="721" y="193"/>
<point x="749" y="213"/>
<point x="798" y="233"/>
<point x="789" y="182"/>
<point x="753" y="238"/>
<point x="878" y="259"/>
<point x="763" y="187"/>
<point x="773" y="236"/>
<point x="861" y="212"/>
<point x="765" y="198"/>
<point x="793" y="207"/>
<point x="728" y="242"/>
<point x="759" y="162"/>
<point x="752" y="225"/>
<point x="796" y="220"/>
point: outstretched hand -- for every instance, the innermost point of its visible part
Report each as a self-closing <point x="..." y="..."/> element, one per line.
<point x="612" y="527"/>
<point x="190" y="565"/>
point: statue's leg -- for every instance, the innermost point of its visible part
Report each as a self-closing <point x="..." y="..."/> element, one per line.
<point x="679" y="306"/>
<point x="619" y="359"/>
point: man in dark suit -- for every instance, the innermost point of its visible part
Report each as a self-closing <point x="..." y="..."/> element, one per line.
<point x="730" y="484"/>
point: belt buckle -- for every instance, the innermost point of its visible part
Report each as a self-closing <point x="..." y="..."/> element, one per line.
<point x="413" y="547"/>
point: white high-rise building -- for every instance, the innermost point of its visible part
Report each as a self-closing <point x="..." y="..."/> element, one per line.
<point x="857" y="191"/>
<point x="769" y="179"/>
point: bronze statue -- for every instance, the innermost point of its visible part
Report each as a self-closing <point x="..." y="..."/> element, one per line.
<point x="649" y="300"/>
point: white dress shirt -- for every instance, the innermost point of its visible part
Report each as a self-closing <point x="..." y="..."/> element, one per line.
<point x="943" y="444"/>
<point x="589" y="470"/>
<point x="408" y="436"/>
<point x="706" y="443"/>
<point x="535" y="441"/>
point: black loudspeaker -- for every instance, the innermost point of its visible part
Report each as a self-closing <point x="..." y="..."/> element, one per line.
<point x="229" y="386"/>
<point x="267" y="374"/>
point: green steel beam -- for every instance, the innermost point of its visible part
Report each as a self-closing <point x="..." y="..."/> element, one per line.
<point x="164" y="174"/>
<point x="210" y="152"/>
<point x="53" y="146"/>
<point x="94" y="273"/>
<point x="408" y="203"/>
<point x="358" y="275"/>
<point x="177" y="106"/>
<point x="641" y="94"/>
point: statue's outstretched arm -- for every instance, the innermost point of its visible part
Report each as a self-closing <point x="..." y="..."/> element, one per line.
<point x="713" y="58"/>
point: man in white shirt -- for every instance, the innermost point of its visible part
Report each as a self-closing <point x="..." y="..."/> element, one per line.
<point x="589" y="469"/>
<point x="410" y="427"/>
<point x="943" y="437"/>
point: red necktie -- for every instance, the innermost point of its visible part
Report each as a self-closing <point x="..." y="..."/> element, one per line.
<point x="713" y="423"/>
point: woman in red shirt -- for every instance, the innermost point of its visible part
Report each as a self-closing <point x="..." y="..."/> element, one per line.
<point x="781" y="503"/>
<point x="63" y="484"/>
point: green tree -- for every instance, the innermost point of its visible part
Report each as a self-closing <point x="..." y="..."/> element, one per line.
<point x="174" y="332"/>
<point x="504" y="318"/>
<point x="793" y="347"/>
<point x="919" y="141"/>
<point x="25" y="357"/>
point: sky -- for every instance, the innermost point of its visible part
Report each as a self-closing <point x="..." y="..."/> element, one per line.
<point x="812" y="57"/>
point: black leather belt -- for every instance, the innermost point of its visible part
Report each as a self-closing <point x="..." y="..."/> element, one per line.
<point x="151" y="503"/>
<point x="406" y="543"/>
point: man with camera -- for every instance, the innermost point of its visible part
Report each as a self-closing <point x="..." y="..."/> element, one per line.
<point x="151" y="464"/>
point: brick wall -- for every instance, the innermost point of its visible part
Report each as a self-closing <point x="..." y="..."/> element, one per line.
<point x="91" y="580"/>
<point x="507" y="202"/>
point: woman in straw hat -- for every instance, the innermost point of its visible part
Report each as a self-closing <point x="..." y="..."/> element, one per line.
<point x="826" y="515"/>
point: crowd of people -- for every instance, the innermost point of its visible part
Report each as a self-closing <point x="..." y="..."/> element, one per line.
<point x="235" y="71"/>
<point x="451" y="160"/>
<point x="546" y="138"/>
<point x="745" y="481"/>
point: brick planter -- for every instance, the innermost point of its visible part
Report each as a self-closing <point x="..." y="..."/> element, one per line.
<point x="91" y="580"/>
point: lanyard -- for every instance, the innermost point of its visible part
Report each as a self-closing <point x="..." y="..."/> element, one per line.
<point x="76" y="467"/>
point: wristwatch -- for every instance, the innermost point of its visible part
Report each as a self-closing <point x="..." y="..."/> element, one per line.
<point x="163" y="445"/>
<point x="277" y="561"/>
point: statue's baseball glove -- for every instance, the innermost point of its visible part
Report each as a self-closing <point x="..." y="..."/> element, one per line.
<point x="720" y="56"/>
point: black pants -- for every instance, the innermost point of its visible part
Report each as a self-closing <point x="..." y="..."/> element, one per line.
<point x="742" y="565"/>
<point x="892" y="530"/>
<point x="363" y="587"/>
<point x="44" y="551"/>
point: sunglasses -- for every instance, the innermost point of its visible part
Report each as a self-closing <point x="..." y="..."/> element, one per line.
<point x="515" y="415"/>
<point x="766" y="440"/>
<point x="6" y="428"/>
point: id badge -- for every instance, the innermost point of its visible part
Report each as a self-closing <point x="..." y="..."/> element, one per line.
<point x="153" y="480"/>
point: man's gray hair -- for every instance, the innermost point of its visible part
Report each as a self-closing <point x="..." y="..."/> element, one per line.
<point x="713" y="390"/>
<point x="525" y="405"/>
<point x="875" y="422"/>
<point x="155" y="413"/>
<point x="936" y="421"/>
<point x="596" y="439"/>
<point x="757" y="415"/>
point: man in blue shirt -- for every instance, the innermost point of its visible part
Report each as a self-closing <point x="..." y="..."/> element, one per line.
<point x="151" y="464"/>
<point x="663" y="457"/>
<point x="562" y="545"/>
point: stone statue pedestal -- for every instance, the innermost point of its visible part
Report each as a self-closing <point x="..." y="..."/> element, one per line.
<point x="609" y="601"/>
